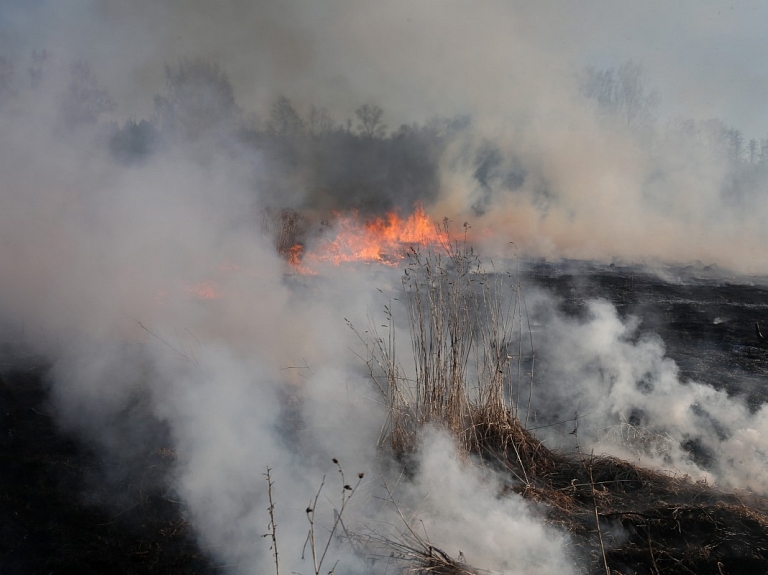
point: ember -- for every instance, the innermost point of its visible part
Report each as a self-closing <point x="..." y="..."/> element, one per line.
<point x="206" y="290"/>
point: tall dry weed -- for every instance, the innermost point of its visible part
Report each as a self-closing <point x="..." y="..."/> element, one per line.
<point x="472" y="351"/>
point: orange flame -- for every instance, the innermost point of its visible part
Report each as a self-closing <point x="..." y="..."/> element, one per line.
<point x="206" y="290"/>
<point x="294" y="254"/>
<point x="380" y="240"/>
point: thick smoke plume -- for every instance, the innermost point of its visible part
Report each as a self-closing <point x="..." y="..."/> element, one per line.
<point x="164" y="304"/>
<point x="156" y="158"/>
<point x="610" y="388"/>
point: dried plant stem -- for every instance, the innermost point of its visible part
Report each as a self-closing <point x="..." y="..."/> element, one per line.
<point x="464" y="321"/>
<point x="347" y="491"/>
<point x="416" y="550"/>
<point x="650" y="550"/>
<point x="311" y="535"/>
<point x="272" y="524"/>
<point x="597" y="521"/>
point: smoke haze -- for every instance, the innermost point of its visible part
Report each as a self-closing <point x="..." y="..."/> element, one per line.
<point x="582" y="185"/>
<point x="142" y="151"/>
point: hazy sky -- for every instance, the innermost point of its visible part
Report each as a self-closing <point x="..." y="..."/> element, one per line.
<point x="707" y="59"/>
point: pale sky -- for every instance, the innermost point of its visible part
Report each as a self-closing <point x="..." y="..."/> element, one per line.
<point x="415" y="58"/>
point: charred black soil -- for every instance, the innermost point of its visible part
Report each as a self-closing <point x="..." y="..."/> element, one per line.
<point x="53" y="516"/>
<point x="705" y="317"/>
<point x="666" y="524"/>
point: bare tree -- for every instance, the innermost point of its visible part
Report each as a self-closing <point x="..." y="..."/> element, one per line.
<point x="735" y="144"/>
<point x="763" y="157"/>
<point x="753" y="150"/>
<point x="319" y="121"/>
<point x="636" y="103"/>
<point x="284" y="120"/>
<point x="6" y="78"/>
<point x="600" y="85"/>
<point x="622" y="93"/>
<point x="371" y="125"/>
<point x="198" y="99"/>
<point x="84" y="101"/>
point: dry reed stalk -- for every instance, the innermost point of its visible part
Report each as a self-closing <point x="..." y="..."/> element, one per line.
<point x="464" y="321"/>
<point x="413" y="551"/>
<point x="286" y="228"/>
<point x="347" y="491"/>
<point x="272" y="525"/>
<point x="597" y="521"/>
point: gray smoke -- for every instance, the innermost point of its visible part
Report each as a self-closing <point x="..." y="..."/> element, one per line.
<point x="610" y="388"/>
<point x="142" y="145"/>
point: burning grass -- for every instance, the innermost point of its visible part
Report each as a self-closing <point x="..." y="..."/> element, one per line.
<point x="472" y="373"/>
<point x="382" y="240"/>
<point x="472" y="370"/>
<point x="350" y="237"/>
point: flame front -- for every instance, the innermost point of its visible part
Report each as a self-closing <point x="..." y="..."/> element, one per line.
<point x="380" y="240"/>
<point x="206" y="290"/>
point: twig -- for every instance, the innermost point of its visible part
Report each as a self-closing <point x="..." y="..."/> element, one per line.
<point x="650" y="550"/>
<point x="272" y="525"/>
<point x="400" y="513"/>
<point x="166" y="343"/>
<point x="311" y="535"/>
<point x="678" y="561"/>
<point x="597" y="521"/>
<point x="347" y="491"/>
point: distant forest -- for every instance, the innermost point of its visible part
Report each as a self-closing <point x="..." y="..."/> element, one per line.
<point x="309" y="160"/>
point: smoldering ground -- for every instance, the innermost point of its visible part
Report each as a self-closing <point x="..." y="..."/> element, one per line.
<point x="697" y="413"/>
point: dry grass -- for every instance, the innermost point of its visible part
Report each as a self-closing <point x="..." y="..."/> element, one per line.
<point x="467" y="341"/>
<point x="470" y="371"/>
<point x="287" y="229"/>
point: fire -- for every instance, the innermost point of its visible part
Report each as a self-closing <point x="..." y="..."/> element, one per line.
<point x="294" y="254"/>
<point x="379" y="240"/>
<point x="384" y="240"/>
<point x="207" y="290"/>
<point x="204" y="290"/>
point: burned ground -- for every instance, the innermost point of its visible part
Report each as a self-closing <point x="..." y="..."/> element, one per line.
<point x="705" y="317"/>
<point x="56" y="516"/>
<point x="58" y="513"/>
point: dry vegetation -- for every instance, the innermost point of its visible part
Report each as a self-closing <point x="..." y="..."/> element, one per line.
<point x="286" y="228"/>
<point x="469" y="369"/>
<point x="472" y="370"/>
<point x="467" y="349"/>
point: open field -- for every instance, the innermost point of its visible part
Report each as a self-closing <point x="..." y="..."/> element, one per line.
<point x="61" y="512"/>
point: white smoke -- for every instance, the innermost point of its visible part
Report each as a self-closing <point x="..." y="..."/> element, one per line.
<point x="618" y="389"/>
<point x="464" y="506"/>
<point x="101" y="262"/>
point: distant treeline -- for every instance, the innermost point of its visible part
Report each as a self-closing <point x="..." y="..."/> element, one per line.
<point x="309" y="160"/>
<point x="622" y="95"/>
